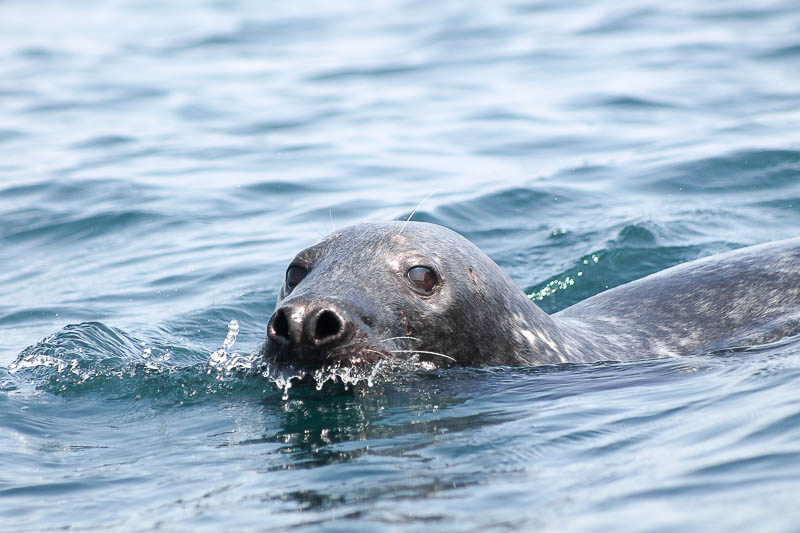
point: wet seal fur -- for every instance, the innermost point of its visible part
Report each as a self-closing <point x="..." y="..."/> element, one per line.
<point x="354" y="304"/>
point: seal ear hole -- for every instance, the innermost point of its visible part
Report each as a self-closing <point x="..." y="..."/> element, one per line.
<point x="473" y="276"/>
<point x="422" y="279"/>
<point x="328" y="325"/>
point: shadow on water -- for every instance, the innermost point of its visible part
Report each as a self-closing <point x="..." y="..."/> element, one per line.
<point x="392" y="418"/>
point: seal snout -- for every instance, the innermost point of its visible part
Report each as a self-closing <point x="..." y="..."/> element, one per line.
<point x="309" y="327"/>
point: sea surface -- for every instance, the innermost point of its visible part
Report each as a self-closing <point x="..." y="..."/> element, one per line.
<point x="161" y="162"/>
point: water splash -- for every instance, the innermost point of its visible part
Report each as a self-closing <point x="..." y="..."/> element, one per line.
<point x="225" y="363"/>
<point x="556" y="285"/>
<point x="80" y="353"/>
<point x="35" y="360"/>
<point x="93" y="357"/>
<point x="356" y="378"/>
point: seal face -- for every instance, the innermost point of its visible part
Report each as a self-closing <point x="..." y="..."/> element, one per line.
<point x="396" y="290"/>
<point x="372" y="291"/>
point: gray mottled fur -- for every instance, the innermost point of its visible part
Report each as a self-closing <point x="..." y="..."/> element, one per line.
<point x="478" y="315"/>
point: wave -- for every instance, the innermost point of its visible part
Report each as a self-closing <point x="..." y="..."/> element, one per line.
<point x="93" y="358"/>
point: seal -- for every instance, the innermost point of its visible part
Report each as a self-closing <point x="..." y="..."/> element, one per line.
<point x="414" y="289"/>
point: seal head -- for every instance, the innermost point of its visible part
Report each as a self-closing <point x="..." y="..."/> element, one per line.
<point x="396" y="290"/>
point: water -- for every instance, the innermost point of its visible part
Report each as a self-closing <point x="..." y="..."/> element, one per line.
<point x="161" y="163"/>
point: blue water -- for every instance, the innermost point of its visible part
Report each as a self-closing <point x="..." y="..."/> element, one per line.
<point x="160" y="163"/>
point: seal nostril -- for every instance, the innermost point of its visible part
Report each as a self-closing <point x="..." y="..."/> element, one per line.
<point x="328" y="325"/>
<point x="280" y="325"/>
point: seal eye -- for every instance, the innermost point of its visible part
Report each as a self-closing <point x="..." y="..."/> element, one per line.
<point x="422" y="279"/>
<point x="294" y="275"/>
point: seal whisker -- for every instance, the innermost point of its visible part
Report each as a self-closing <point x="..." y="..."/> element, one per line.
<point x="415" y="210"/>
<point x="384" y="354"/>
<point x="333" y="226"/>
<point x="405" y="337"/>
<point x="424" y="351"/>
<point x="374" y="351"/>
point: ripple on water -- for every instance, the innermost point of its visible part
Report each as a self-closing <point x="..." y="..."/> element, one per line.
<point x="104" y="141"/>
<point x="745" y="171"/>
<point x="69" y="230"/>
<point x="123" y="96"/>
<point x="783" y="52"/>
<point x="624" y="102"/>
<point x="7" y="135"/>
